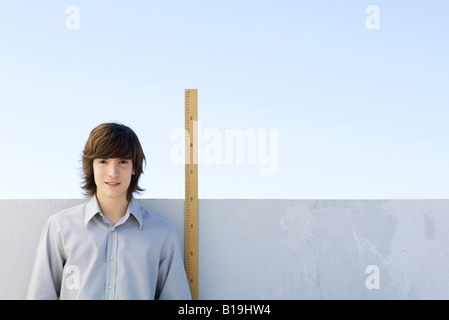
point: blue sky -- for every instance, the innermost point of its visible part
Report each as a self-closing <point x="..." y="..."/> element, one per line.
<point x="359" y="113"/>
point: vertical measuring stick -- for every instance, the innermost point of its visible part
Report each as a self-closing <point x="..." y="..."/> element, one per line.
<point x="191" y="190"/>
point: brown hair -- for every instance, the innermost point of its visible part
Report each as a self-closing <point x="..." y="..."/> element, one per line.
<point x="112" y="140"/>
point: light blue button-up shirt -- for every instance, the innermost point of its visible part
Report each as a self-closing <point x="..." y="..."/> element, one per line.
<point x="80" y="255"/>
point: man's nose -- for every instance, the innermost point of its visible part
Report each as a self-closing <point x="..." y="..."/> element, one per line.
<point x="113" y="170"/>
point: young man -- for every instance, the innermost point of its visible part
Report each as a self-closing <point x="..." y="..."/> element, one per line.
<point x="109" y="247"/>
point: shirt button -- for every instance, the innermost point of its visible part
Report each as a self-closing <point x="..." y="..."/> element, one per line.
<point x="109" y="287"/>
<point x="111" y="257"/>
<point x="113" y="229"/>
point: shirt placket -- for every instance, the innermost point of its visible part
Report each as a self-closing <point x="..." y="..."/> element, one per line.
<point x="111" y="264"/>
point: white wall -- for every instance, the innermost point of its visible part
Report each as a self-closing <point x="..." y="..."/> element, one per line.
<point x="279" y="249"/>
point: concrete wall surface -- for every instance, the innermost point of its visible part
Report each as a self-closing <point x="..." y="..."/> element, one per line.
<point x="279" y="249"/>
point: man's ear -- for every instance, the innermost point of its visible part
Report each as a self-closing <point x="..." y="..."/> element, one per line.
<point x="134" y="172"/>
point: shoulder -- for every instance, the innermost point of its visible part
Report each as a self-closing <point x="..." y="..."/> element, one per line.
<point x="71" y="215"/>
<point x="161" y="232"/>
<point x="63" y="221"/>
<point x="156" y="224"/>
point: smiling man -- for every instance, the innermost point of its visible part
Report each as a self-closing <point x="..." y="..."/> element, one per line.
<point x="109" y="247"/>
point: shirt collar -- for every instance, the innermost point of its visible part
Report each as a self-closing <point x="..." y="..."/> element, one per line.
<point x="92" y="208"/>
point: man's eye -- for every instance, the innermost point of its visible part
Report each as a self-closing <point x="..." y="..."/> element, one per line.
<point x="102" y="161"/>
<point x="124" y="162"/>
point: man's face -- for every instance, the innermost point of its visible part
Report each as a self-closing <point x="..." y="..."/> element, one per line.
<point x="113" y="177"/>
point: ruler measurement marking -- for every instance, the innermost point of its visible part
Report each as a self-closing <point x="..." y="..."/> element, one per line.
<point x="191" y="191"/>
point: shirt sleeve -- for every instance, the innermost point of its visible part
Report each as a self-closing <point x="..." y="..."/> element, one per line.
<point x="46" y="276"/>
<point x="172" y="279"/>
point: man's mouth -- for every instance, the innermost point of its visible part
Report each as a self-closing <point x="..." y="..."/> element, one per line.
<point x="112" y="183"/>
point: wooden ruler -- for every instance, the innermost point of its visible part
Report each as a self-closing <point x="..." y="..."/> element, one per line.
<point x="191" y="191"/>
